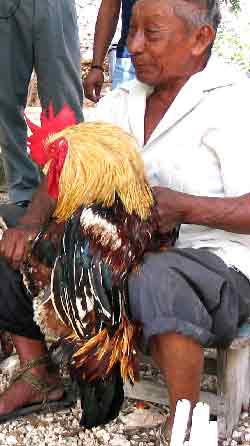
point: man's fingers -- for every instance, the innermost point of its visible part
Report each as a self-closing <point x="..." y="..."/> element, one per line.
<point x="89" y="89"/>
<point x="92" y="85"/>
<point x="157" y="191"/>
<point x="98" y="90"/>
<point x="18" y="253"/>
<point x="164" y="228"/>
<point x="89" y="93"/>
<point x="14" y="247"/>
<point x="7" y="249"/>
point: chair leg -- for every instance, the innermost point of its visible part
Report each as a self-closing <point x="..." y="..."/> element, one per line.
<point x="233" y="387"/>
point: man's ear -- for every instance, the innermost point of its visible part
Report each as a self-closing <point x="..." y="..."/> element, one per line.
<point x="203" y="37"/>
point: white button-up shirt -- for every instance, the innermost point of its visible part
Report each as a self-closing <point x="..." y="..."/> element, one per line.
<point x="201" y="146"/>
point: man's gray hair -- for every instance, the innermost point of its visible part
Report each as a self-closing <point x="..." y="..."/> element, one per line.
<point x="199" y="12"/>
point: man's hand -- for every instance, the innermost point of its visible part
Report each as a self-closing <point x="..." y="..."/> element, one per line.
<point x="92" y="84"/>
<point x="16" y="242"/>
<point x="170" y="208"/>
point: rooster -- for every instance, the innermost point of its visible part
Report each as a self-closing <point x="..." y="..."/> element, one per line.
<point x="77" y="271"/>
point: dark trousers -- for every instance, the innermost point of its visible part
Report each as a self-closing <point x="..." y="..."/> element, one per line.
<point x="16" y="308"/>
<point x="40" y="35"/>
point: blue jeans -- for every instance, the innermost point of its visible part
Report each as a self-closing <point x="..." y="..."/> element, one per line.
<point x="124" y="71"/>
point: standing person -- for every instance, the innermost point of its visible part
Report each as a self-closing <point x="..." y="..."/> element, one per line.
<point x="40" y="35"/>
<point x="105" y="28"/>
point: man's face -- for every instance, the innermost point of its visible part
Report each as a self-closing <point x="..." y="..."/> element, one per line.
<point x="159" y="42"/>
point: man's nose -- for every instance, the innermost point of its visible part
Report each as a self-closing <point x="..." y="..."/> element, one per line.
<point x="136" y="43"/>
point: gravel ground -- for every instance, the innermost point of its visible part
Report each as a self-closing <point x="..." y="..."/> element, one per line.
<point x="136" y="425"/>
<point x="62" y="428"/>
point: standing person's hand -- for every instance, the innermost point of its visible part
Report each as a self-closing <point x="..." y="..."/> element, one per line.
<point x="16" y="242"/>
<point x="93" y="83"/>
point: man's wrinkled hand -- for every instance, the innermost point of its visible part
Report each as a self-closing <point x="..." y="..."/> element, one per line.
<point x="170" y="208"/>
<point x="16" y="243"/>
<point x="92" y="84"/>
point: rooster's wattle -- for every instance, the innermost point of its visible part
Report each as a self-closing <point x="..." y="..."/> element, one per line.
<point x="77" y="271"/>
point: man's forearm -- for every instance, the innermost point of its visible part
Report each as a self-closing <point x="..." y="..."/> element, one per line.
<point x="41" y="207"/>
<point x="228" y="214"/>
<point x="105" y="28"/>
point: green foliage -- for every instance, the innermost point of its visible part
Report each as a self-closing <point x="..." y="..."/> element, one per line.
<point x="231" y="47"/>
<point x="235" y="5"/>
<point x="233" y="37"/>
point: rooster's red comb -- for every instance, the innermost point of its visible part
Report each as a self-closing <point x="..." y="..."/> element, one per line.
<point x="50" y="124"/>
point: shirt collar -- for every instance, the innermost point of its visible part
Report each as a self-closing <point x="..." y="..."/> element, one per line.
<point x="215" y="75"/>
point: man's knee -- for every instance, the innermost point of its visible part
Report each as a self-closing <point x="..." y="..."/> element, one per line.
<point x="163" y="299"/>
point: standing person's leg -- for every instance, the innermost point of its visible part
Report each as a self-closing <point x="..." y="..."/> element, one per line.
<point x="16" y="52"/>
<point x="57" y="55"/>
<point x="124" y="70"/>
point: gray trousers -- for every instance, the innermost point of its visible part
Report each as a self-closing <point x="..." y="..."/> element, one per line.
<point x="40" y="35"/>
<point x="191" y="292"/>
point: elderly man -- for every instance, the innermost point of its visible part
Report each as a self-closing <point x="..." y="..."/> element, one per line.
<point x="184" y="111"/>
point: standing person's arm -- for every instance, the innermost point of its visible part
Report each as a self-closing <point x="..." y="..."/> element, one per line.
<point x="105" y="28"/>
